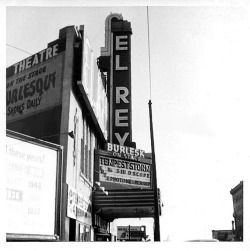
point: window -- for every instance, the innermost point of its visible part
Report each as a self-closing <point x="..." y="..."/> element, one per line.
<point x="82" y="156"/>
<point x="86" y="161"/>
<point x="87" y="152"/>
<point x="84" y="233"/>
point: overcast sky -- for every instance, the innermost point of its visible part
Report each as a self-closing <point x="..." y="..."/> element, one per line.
<point x="200" y="98"/>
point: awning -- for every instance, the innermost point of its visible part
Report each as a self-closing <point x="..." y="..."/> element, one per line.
<point x="132" y="203"/>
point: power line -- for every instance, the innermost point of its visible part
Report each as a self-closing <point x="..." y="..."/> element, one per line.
<point x="149" y="64"/>
<point x="18" y="49"/>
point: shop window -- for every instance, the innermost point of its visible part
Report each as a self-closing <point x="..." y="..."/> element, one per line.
<point x="84" y="233"/>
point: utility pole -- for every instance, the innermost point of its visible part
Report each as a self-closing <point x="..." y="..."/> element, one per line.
<point x="156" y="201"/>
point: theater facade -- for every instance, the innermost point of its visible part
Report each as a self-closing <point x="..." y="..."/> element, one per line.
<point x="64" y="97"/>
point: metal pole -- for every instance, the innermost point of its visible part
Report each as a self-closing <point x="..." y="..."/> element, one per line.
<point x="156" y="201"/>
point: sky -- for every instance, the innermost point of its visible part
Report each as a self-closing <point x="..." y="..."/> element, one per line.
<point x="199" y="61"/>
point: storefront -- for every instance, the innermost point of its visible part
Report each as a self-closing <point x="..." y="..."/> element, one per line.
<point x="237" y="194"/>
<point x="101" y="229"/>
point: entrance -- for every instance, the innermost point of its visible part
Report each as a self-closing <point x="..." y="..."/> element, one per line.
<point x="84" y="233"/>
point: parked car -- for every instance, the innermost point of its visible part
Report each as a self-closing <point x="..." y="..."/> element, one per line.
<point x="203" y="240"/>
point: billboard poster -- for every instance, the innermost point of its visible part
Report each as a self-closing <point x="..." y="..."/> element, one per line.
<point x="121" y="173"/>
<point x="34" y="84"/>
<point x="83" y="209"/>
<point x="72" y="202"/>
<point x="125" y="233"/>
<point x="31" y="174"/>
<point x="79" y="205"/>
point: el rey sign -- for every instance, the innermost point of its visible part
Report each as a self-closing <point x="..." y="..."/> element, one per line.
<point x="121" y="92"/>
<point x="118" y="52"/>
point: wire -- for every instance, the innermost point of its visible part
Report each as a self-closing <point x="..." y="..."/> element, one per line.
<point x="149" y="65"/>
<point x="18" y="49"/>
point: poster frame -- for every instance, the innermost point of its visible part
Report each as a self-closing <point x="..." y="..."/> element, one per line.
<point x="58" y="192"/>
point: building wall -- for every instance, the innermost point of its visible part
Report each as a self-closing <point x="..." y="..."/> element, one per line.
<point x="237" y="195"/>
<point x="113" y="231"/>
<point x="70" y="114"/>
<point x="222" y="235"/>
<point x="80" y="150"/>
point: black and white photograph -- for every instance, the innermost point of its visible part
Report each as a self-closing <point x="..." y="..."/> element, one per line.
<point x="126" y="122"/>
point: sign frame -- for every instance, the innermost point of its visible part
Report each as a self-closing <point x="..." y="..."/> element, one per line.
<point x="107" y="154"/>
<point x="131" y="233"/>
<point x="29" y="90"/>
<point x="58" y="191"/>
<point x="77" y="206"/>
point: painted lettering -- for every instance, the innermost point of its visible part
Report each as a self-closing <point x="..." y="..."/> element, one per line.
<point x="29" y="89"/>
<point x="119" y="118"/>
<point x="126" y="150"/>
<point x="119" y="43"/>
<point x="9" y="84"/>
<point x="109" y="147"/>
<point x="36" y="59"/>
<point x="15" y="109"/>
<point x="28" y="63"/>
<point x="117" y="64"/>
<point x="120" y="139"/>
<point x="16" y="68"/>
<point x="20" y="79"/>
<point x="121" y="96"/>
<point x="37" y="72"/>
<point x="48" y="53"/>
<point x="55" y="49"/>
<point x="34" y="102"/>
<point x="41" y="55"/>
